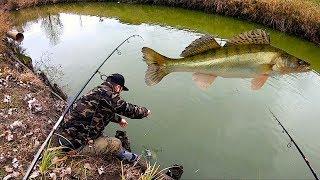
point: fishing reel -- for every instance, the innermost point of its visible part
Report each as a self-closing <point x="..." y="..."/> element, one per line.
<point x="103" y="77"/>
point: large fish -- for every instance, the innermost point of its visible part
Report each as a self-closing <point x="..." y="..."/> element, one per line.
<point x="248" y="55"/>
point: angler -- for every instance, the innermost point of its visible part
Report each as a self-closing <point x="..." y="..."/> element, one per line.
<point x="55" y="127"/>
<point x="84" y="125"/>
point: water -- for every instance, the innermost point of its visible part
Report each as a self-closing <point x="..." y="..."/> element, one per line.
<point x="224" y="132"/>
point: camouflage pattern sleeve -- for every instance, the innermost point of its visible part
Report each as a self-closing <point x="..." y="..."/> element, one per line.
<point x="116" y="118"/>
<point x="129" y="110"/>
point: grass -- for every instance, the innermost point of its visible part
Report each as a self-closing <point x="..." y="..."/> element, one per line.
<point x="2" y="173"/>
<point x="151" y="173"/>
<point x="47" y="159"/>
<point x="316" y="1"/>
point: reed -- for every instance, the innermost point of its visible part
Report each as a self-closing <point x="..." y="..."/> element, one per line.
<point x="300" y="18"/>
<point x="5" y="25"/>
<point x="151" y="173"/>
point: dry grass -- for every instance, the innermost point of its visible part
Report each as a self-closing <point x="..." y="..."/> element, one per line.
<point x="5" y="25"/>
<point x="150" y="173"/>
<point x="300" y="18"/>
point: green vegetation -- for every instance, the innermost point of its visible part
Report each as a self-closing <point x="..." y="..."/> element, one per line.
<point x="316" y="1"/>
<point x="152" y="172"/>
<point x="47" y="159"/>
<point x="2" y="173"/>
<point x="185" y="19"/>
<point x="301" y="18"/>
<point x="25" y="59"/>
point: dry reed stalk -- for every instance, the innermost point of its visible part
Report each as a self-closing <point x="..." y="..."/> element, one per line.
<point x="4" y="27"/>
<point x="301" y="18"/>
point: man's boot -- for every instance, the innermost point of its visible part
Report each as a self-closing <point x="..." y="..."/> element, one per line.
<point x="175" y="171"/>
<point x="128" y="156"/>
<point x="122" y="136"/>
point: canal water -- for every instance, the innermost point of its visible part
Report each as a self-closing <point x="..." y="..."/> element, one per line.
<point x="226" y="131"/>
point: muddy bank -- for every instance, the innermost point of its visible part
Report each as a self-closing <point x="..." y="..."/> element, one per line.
<point x="27" y="112"/>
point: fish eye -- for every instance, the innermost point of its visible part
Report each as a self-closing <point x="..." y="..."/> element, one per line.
<point x="301" y="62"/>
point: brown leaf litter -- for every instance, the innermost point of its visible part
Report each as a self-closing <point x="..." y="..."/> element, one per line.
<point x="28" y="112"/>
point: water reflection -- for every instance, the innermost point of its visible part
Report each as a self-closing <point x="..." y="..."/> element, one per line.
<point x="53" y="28"/>
<point x="248" y="55"/>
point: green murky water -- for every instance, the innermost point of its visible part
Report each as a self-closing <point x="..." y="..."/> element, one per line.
<point x="224" y="132"/>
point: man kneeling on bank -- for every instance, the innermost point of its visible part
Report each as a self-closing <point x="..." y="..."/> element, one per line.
<point x="84" y="126"/>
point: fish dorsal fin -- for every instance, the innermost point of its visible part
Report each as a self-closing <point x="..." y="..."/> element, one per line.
<point x="257" y="36"/>
<point x="203" y="81"/>
<point x="200" y="45"/>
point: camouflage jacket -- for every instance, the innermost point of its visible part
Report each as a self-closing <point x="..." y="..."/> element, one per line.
<point x="93" y="111"/>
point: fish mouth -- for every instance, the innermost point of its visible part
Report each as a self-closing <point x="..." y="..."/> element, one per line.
<point x="303" y="63"/>
<point x="304" y="66"/>
<point x="305" y="69"/>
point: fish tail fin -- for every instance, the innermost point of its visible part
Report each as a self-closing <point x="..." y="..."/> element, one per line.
<point x="156" y="66"/>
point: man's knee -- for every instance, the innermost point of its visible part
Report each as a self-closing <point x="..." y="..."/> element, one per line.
<point x="104" y="145"/>
<point x="108" y="145"/>
<point x="116" y="145"/>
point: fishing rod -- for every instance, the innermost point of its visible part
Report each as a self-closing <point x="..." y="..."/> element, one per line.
<point x="295" y="144"/>
<point x="37" y="156"/>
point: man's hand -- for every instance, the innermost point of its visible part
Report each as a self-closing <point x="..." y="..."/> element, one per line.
<point x="148" y="113"/>
<point x="123" y="123"/>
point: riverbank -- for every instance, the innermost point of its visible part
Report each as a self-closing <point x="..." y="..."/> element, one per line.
<point x="29" y="108"/>
<point x="28" y="111"/>
<point x="300" y="18"/>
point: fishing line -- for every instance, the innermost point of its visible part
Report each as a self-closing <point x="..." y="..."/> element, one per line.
<point x="286" y="82"/>
<point x="295" y="144"/>
<point x="44" y="144"/>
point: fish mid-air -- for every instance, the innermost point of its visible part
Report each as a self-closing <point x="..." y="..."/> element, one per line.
<point x="247" y="55"/>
